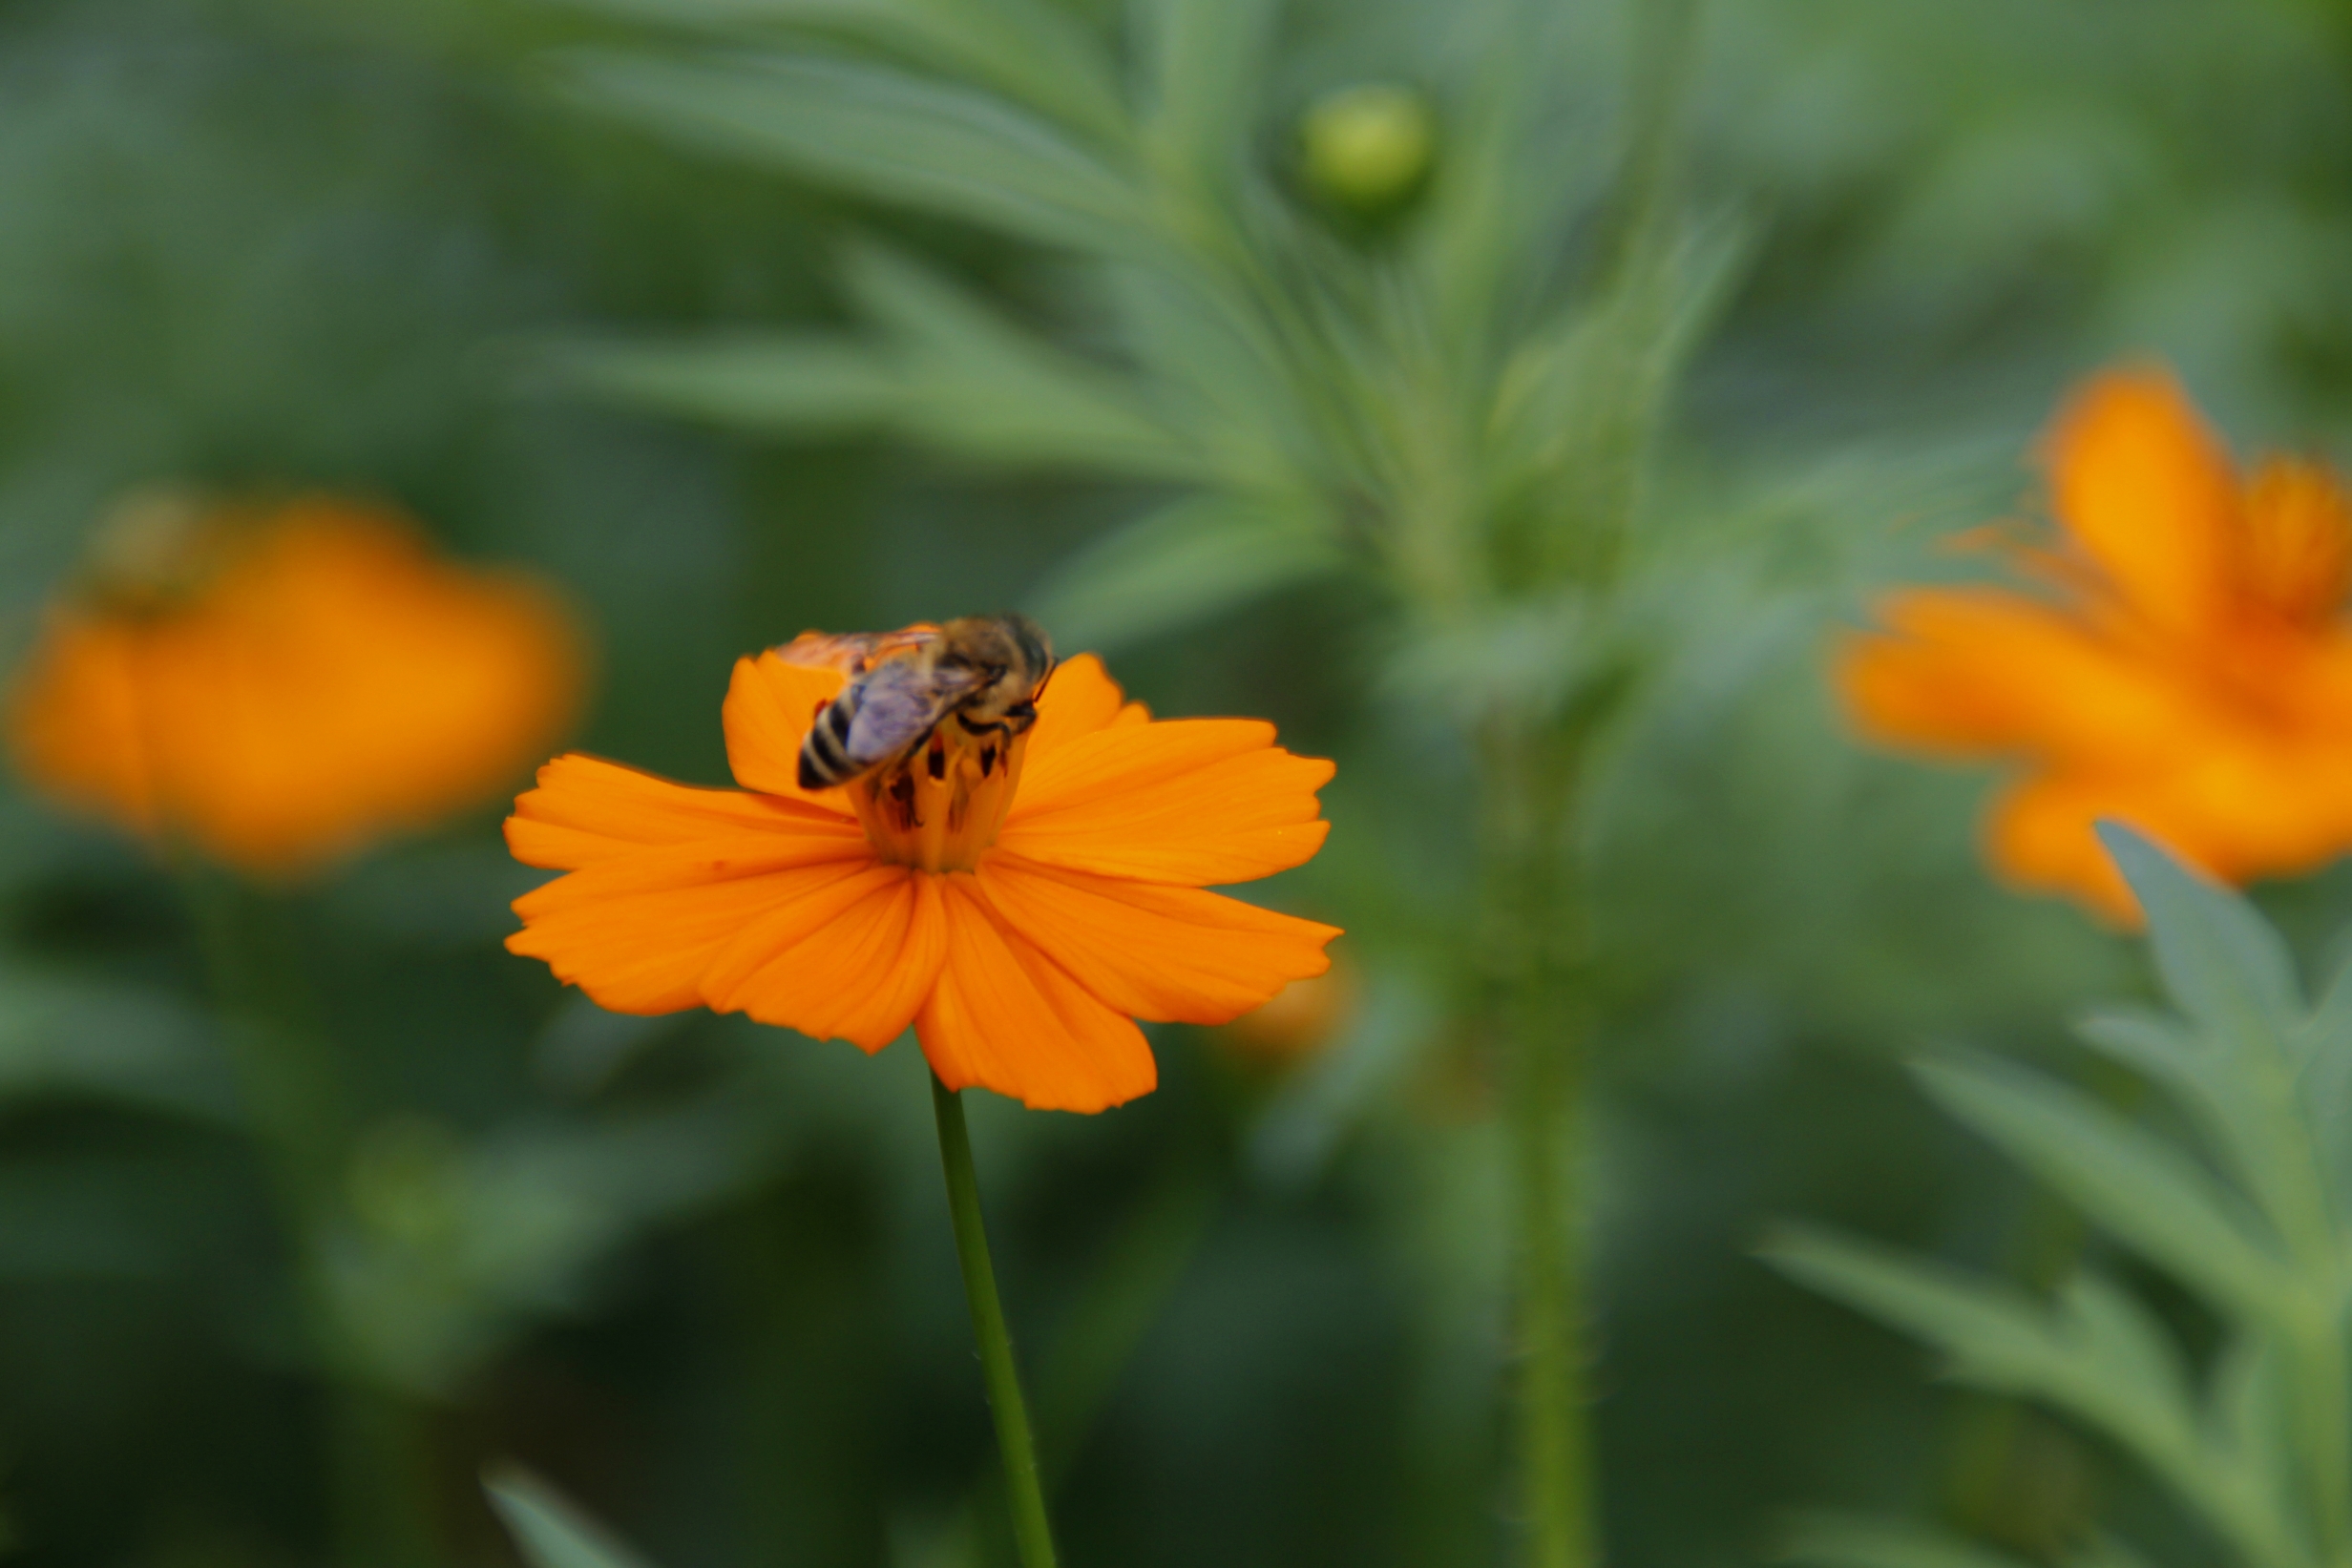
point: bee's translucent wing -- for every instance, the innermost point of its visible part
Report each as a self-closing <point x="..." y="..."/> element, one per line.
<point x="852" y="653"/>
<point x="898" y="702"/>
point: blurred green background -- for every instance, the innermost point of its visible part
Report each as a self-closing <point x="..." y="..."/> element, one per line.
<point x="697" y="1274"/>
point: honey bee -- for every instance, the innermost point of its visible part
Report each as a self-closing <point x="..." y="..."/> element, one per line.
<point x="983" y="672"/>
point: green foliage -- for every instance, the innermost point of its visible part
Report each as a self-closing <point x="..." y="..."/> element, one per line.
<point x="948" y="374"/>
<point x="1284" y="379"/>
<point x="2258" y="1443"/>
<point x="1074" y="256"/>
<point x="1031" y="52"/>
<point x="65" y="1037"/>
<point x="445" y="1250"/>
<point x="952" y="150"/>
<point x="1174" y="566"/>
<point x="1836" y="1540"/>
<point x="817" y="382"/>
<point x="552" y="1533"/>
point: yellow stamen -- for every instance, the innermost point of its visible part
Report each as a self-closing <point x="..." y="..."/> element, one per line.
<point x="943" y="803"/>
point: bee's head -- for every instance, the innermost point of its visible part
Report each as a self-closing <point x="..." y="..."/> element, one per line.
<point x="1035" y="648"/>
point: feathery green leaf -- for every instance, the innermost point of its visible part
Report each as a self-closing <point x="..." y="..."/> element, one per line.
<point x="548" y="1529"/>
<point x="2147" y="1193"/>
<point x="1178" y="565"/>
<point x="975" y="382"/>
<point x="873" y="132"/>
<point x="2098" y="1359"/>
<point x="2221" y="964"/>
<point x="1031" y="52"/>
<point x="811" y="381"/>
<point x="1849" y="1540"/>
<point x="1202" y="59"/>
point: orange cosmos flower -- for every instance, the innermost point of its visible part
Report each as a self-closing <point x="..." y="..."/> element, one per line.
<point x="2184" y="663"/>
<point x="1302" y="1018"/>
<point x="279" y="688"/>
<point x="1021" y="914"/>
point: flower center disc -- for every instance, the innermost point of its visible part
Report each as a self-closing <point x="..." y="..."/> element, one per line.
<point x="942" y="803"/>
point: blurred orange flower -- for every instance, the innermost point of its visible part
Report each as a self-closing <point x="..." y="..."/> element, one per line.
<point x="2185" y="665"/>
<point x="280" y="688"/>
<point x="1064" y="901"/>
<point x="1301" y="1018"/>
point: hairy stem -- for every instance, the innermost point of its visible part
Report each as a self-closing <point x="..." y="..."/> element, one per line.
<point x="1024" y="1489"/>
<point x="1555" y="1444"/>
<point x="1533" y="931"/>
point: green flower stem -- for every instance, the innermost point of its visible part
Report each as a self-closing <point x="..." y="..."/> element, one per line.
<point x="290" y="1092"/>
<point x="1024" y="1491"/>
<point x="379" y="1452"/>
<point x="1079" y="1370"/>
<point x="1533" y="937"/>
<point x="1555" y="1448"/>
<point x="384" y="1490"/>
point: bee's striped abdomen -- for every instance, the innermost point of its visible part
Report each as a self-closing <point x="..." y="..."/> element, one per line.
<point x="825" y="756"/>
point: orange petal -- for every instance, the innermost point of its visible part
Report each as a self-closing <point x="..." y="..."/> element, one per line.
<point x="2296" y="555"/>
<point x="76" y="718"/>
<point x="852" y="961"/>
<point x="329" y="681"/>
<point x="769" y="709"/>
<point x="2236" y="807"/>
<point x="2259" y="802"/>
<point x="1004" y="1016"/>
<point x="638" y="932"/>
<point x="336" y="680"/>
<point x="587" y="810"/>
<point x="1303" y="1017"/>
<point x="1079" y="698"/>
<point x="1186" y="801"/>
<point x="2040" y="834"/>
<point x="2145" y="488"/>
<point x="1169" y="954"/>
<point x="1981" y="671"/>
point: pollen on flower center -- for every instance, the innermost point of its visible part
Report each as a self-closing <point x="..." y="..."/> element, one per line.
<point x="943" y="803"/>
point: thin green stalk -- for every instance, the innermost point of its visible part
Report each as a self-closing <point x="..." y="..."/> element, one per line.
<point x="1098" y="1339"/>
<point x="1024" y="1491"/>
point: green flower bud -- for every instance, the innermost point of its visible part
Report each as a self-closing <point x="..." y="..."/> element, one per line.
<point x="1368" y="147"/>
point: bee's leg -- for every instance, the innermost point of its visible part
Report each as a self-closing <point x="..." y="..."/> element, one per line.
<point x="902" y="798"/>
